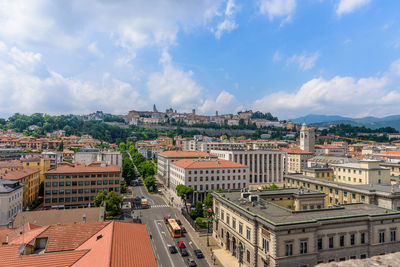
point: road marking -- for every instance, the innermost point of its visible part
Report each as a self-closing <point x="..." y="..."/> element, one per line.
<point x="159" y="206"/>
<point x="165" y="246"/>
<point x="163" y="233"/>
<point x="190" y="244"/>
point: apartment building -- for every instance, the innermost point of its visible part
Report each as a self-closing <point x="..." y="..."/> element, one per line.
<point x="165" y="159"/>
<point x="208" y="174"/>
<point x="89" y="155"/>
<point x="329" y="150"/>
<point x="77" y="184"/>
<point x="11" y="165"/>
<point x="11" y="193"/>
<point x="265" y="166"/>
<point x="296" y="159"/>
<point x="258" y="232"/>
<point x="394" y="168"/>
<point x="386" y="196"/>
<point x="37" y="163"/>
<point x="30" y="178"/>
<point x="324" y="173"/>
<point x="55" y="157"/>
<point x="364" y="172"/>
<point x="324" y="161"/>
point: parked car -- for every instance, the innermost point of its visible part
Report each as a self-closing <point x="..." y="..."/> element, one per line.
<point x="166" y="218"/>
<point x="181" y="244"/>
<point x="198" y="253"/>
<point x="178" y="222"/>
<point x="184" y="252"/>
<point x="191" y="262"/>
<point x="172" y="249"/>
<point x="183" y="230"/>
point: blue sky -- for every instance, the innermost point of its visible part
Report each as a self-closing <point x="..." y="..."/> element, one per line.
<point x="288" y="57"/>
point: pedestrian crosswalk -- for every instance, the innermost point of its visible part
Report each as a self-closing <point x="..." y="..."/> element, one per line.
<point x="159" y="206"/>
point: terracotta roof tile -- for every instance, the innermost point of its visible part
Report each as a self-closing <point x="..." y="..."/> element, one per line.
<point x="207" y="164"/>
<point x="390" y="153"/>
<point x="17" y="174"/>
<point x="10" y="163"/>
<point x="185" y="154"/>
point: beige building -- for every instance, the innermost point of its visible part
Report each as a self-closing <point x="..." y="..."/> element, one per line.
<point x="364" y="172"/>
<point x="265" y="166"/>
<point x="208" y="174"/>
<point x="37" y="163"/>
<point x="307" y="138"/>
<point x="259" y="232"/>
<point x="386" y="196"/>
<point x="165" y="159"/>
<point x="394" y="168"/>
<point x="297" y="159"/>
<point x="323" y="173"/>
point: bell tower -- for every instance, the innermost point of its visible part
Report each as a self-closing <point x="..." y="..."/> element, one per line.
<point x="307" y="138"/>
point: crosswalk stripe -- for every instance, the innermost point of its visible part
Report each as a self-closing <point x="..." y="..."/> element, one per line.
<point x="159" y="206"/>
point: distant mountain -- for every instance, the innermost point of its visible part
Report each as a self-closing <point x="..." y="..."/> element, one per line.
<point x="315" y="118"/>
<point x="369" y="122"/>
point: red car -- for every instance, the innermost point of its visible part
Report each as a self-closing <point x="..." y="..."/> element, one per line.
<point x="181" y="244"/>
<point x="166" y="218"/>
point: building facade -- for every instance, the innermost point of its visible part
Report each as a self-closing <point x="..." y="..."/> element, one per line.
<point x="37" y="163"/>
<point x="208" y="174"/>
<point x="296" y="159"/>
<point x="72" y="185"/>
<point x="11" y="193"/>
<point x="165" y="159"/>
<point x="30" y="178"/>
<point x="89" y="155"/>
<point x="265" y="166"/>
<point x="258" y="232"/>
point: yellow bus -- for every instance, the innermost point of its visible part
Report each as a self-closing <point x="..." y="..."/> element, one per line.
<point x="174" y="228"/>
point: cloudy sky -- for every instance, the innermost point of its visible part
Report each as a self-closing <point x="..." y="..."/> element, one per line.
<point x="288" y="57"/>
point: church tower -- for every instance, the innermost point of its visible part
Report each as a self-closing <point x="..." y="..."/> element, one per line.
<point x="307" y="138"/>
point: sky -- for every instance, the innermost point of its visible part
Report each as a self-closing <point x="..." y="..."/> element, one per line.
<point x="287" y="57"/>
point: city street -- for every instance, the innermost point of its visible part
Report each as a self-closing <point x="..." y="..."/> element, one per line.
<point x="161" y="237"/>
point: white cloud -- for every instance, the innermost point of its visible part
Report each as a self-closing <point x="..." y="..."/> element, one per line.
<point x="174" y="86"/>
<point x="94" y="50"/>
<point x="278" y="8"/>
<point x="348" y="6"/>
<point x="304" y="61"/>
<point x="339" y="95"/>
<point x="224" y="103"/>
<point x="27" y="86"/>
<point x="228" y="24"/>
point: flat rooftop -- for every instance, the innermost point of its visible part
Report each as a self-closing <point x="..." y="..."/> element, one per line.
<point x="281" y="216"/>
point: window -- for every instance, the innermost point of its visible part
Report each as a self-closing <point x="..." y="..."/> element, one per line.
<point x="392" y="235"/>
<point x="68" y="183"/>
<point x="319" y="243"/>
<point x="55" y="184"/>
<point x="48" y="184"/>
<point x="289" y="249"/>
<point x="331" y="242"/>
<point x="61" y="183"/>
<point x="99" y="182"/>
<point x="248" y="256"/>
<point x="241" y="228"/>
<point x="353" y="196"/>
<point x="48" y="192"/>
<point x="362" y="241"/>
<point x="222" y="215"/>
<point x="382" y="237"/>
<point x="363" y="256"/>
<point x="111" y="181"/>
<point x="265" y="244"/>
<point x="248" y="234"/>
<point x="352" y="239"/>
<point x="80" y="183"/>
<point x="87" y="182"/>
<point x="342" y="240"/>
<point x="116" y="181"/>
<point x="234" y="223"/>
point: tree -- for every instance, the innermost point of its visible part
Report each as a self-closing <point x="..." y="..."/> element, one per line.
<point x="112" y="201"/>
<point x="184" y="192"/>
<point x="271" y="187"/>
<point x="150" y="183"/>
<point x="208" y="204"/>
<point x="123" y="188"/>
<point x="198" y="210"/>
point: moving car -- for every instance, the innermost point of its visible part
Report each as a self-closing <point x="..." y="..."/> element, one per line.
<point x="183" y="230"/>
<point x="184" y="252"/>
<point x="172" y="249"/>
<point x="178" y="222"/>
<point x="191" y="262"/>
<point x="181" y="244"/>
<point x="198" y="253"/>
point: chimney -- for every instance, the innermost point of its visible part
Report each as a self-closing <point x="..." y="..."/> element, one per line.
<point x="84" y="218"/>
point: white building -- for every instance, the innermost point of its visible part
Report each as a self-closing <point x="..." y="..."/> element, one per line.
<point x="208" y="174"/>
<point x="307" y="138"/>
<point x="165" y="159"/>
<point x="265" y="166"/>
<point x="329" y="150"/>
<point x="54" y="156"/>
<point x="10" y="200"/>
<point x="89" y="155"/>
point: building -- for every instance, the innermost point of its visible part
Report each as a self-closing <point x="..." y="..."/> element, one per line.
<point x="260" y="232"/>
<point x="383" y="195"/>
<point x="89" y="155"/>
<point x="265" y="166"/>
<point x="364" y="172"/>
<point x="296" y="159"/>
<point x="30" y="178"/>
<point x="329" y="150"/>
<point x="307" y="138"/>
<point x="11" y="165"/>
<point x="76" y="185"/>
<point x="37" y="163"/>
<point x="59" y="216"/>
<point x="111" y="243"/>
<point x="55" y="157"/>
<point x="208" y="174"/>
<point x="324" y="173"/>
<point x="165" y="159"/>
<point x="394" y="168"/>
<point x="324" y="161"/>
<point x="392" y="156"/>
<point x="11" y="193"/>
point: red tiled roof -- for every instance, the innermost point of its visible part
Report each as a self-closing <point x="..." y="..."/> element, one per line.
<point x="10" y="163"/>
<point x="327" y="147"/>
<point x="390" y="153"/>
<point x="185" y="154"/>
<point x="17" y="174"/>
<point x="82" y="168"/>
<point x="207" y="164"/>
